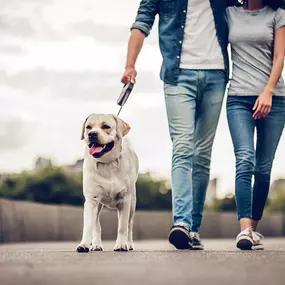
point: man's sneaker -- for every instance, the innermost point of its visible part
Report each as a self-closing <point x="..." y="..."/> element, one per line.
<point x="257" y="244"/>
<point x="179" y="236"/>
<point x="245" y="239"/>
<point x="196" y="241"/>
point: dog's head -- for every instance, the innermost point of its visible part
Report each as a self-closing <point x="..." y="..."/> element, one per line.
<point x="103" y="135"/>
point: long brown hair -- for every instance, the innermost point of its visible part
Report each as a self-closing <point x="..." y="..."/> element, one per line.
<point x="275" y="4"/>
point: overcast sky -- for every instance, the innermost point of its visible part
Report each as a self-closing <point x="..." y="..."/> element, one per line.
<point x="63" y="59"/>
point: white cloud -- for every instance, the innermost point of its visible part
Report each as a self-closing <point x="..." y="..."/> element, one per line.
<point x="81" y="53"/>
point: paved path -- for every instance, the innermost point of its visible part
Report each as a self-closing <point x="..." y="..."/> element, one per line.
<point x="153" y="262"/>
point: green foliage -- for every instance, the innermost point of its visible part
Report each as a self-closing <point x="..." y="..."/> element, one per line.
<point x="153" y="195"/>
<point x="49" y="185"/>
<point x="52" y="185"/>
<point x="277" y="204"/>
<point x="274" y="204"/>
<point x="227" y="204"/>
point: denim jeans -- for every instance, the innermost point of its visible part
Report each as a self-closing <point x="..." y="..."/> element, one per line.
<point x="193" y="108"/>
<point x="254" y="160"/>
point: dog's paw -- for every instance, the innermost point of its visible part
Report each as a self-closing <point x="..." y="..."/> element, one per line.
<point x="96" y="247"/>
<point x="82" y="248"/>
<point x="121" y="247"/>
<point x="131" y="246"/>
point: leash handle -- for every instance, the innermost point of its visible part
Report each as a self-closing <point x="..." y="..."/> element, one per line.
<point x="125" y="93"/>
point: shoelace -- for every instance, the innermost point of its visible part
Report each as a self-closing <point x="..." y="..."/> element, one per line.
<point x="195" y="235"/>
<point x="246" y="232"/>
<point x="257" y="236"/>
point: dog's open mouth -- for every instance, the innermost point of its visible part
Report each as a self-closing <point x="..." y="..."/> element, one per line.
<point x="97" y="150"/>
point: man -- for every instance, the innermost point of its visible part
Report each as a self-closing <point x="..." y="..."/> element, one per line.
<point x="193" y="43"/>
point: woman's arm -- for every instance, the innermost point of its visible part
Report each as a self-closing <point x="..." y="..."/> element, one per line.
<point x="278" y="61"/>
<point x="263" y="103"/>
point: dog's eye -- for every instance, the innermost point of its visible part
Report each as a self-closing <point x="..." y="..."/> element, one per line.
<point x="88" y="127"/>
<point x="105" y="127"/>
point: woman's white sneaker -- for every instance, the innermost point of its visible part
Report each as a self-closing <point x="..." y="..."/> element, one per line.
<point x="257" y="244"/>
<point x="245" y="240"/>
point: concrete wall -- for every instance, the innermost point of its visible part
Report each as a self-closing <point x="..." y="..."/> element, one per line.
<point x="26" y="221"/>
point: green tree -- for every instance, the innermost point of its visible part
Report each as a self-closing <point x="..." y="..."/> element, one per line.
<point x="49" y="185"/>
<point x="52" y="185"/>
<point x="153" y="194"/>
<point x="277" y="204"/>
<point x="227" y="204"/>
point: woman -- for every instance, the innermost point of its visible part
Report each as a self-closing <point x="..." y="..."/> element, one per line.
<point x="256" y="101"/>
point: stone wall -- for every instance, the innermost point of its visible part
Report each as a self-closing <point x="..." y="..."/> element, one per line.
<point x="27" y="221"/>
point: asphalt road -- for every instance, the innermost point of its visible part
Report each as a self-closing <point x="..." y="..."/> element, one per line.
<point x="153" y="262"/>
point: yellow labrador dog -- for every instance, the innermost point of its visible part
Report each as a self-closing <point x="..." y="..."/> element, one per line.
<point x="110" y="172"/>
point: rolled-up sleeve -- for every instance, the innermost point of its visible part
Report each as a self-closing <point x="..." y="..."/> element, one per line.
<point x="146" y="16"/>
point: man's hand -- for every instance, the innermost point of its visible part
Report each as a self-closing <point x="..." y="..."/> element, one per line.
<point x="263" y="104"/>
<point x="129" y="75"/>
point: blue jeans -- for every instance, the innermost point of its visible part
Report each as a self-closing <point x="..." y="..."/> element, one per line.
<point x="254" y="160"/>
<point x="193" y="108"/>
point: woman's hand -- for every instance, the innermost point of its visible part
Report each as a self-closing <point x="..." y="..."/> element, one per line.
<point x="263" y="104"/>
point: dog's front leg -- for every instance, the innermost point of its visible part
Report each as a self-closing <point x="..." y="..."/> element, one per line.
<point x="123" y="224"/>
<point x="88" y="222"/>
<point x="131" y="219"/>
<point x="96" y="240"/>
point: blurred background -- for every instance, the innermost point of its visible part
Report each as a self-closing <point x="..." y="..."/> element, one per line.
<point x="61" y="60"/>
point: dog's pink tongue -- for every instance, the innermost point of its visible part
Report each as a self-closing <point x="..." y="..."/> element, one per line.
<point x="95" y="149"/>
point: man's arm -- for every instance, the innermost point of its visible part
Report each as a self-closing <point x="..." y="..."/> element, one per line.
<point x="134" y="47"/>
<point x="139" y="30"/>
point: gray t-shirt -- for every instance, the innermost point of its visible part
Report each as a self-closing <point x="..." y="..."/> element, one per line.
<point x="251" y="35"/>
<point x="200" y="49"/>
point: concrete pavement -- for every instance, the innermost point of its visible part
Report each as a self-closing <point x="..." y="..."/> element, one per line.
<point x="153" y="262"/>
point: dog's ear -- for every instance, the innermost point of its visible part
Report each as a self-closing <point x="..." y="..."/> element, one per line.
<point x="122" y="127"/>
<point x="83" y="128"/>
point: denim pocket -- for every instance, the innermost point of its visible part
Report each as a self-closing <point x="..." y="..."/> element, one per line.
<point x="168" y="8"/>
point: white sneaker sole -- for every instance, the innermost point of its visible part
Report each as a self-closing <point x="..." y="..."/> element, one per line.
<point x="197" y="247"/>
<point x="258" y="247"/>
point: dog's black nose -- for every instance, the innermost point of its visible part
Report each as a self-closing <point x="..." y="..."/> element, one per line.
<point x="93" y="136"/>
